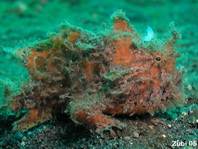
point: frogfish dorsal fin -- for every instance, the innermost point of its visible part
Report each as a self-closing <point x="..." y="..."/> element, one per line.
<point x="123" y="42"/>
<point x="121" y="23"/>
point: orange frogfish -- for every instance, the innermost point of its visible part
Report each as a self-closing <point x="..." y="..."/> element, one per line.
<point x="94" y="76"/>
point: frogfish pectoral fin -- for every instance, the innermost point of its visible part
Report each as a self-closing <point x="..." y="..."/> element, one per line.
<point x="31" y="120"/>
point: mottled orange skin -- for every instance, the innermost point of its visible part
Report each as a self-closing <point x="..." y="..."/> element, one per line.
<point x="120" y="79"/>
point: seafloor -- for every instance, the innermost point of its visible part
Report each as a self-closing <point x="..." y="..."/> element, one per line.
<point x="23" y="22"/>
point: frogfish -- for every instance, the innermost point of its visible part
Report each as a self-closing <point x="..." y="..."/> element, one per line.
<point x="94" y="76"/>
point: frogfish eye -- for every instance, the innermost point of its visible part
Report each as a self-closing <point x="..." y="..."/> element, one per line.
<point x="158" y="58"/>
